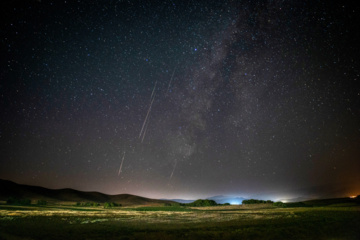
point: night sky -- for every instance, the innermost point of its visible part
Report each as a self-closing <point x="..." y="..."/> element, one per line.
<point x="182" y="99"/>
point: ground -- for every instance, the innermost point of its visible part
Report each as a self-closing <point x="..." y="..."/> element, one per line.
<point x="341" y="221"/>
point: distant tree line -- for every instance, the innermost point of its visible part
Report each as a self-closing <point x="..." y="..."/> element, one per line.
<point x="203" y="203"/>
<point x="275" y="204"/>
<point x="111" y="205"/>
<point x="279" y="204"/>
<point x="95" y="204"/>
<point x="87" y="204"/>
<point x="255" y="201"/>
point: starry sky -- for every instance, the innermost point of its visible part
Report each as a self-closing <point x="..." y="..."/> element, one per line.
<point x="182" y="99"/>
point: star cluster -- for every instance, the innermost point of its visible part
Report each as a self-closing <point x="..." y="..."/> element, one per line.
<point x="181" y="99"/>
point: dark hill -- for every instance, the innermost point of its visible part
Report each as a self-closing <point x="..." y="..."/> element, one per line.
<point x="331" y="201"/>
<point x="10" y="189"/>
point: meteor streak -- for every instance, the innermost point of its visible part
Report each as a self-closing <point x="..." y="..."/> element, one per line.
<point x="172" y="76"/>
<point x="147" y="115"/>
<point x="122" y="161"/>
<point x="153" y="90"/>
<point x="145" y="131"/>
<point x="172" y="173"/>
<point x="152" y="98"/>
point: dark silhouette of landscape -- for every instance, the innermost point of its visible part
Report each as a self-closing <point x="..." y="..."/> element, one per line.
<point x="31" y="212"/>
<point x="9" y="189"/>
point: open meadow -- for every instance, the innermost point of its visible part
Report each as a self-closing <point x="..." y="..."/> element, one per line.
<point x="341" y="221"/>
<point x="124" y="119"/>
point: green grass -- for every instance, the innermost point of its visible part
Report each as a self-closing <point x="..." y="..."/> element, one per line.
<point x="232" y="222"/>
<point x="165" y="208"/>
<point x="48" y="208"/>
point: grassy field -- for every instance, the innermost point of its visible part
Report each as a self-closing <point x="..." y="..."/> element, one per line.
<point x="223" y="222"/>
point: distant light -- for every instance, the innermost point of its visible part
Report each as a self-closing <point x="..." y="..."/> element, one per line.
<point x="352" y="197"/>
<point x="195" y="49"/>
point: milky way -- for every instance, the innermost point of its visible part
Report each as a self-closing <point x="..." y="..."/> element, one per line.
<point x="246" y="98"/>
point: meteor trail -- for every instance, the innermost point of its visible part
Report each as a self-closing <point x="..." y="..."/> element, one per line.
<point x="153" y="90"/>
<point x="152" y="98"/>
<point x="172" y="76"/>
<point x="145" y="131"/>
<point x="147" y="115"/>
<point x="121" y="164"/>
<point x="173" y="170"/>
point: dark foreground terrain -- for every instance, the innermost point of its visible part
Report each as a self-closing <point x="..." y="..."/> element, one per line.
<point x="337" y="221"/>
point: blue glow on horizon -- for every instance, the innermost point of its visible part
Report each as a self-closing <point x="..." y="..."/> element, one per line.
<point x="235" y="202"/>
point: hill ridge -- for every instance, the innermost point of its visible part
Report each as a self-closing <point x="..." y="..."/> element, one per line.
<point x="11" y="189"/>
